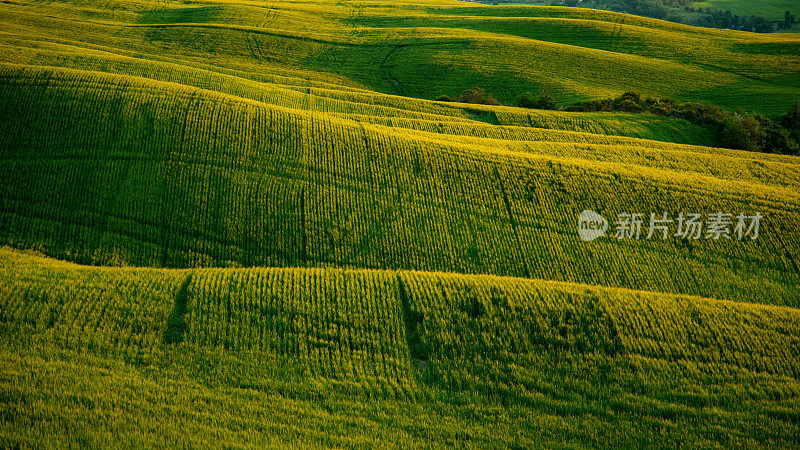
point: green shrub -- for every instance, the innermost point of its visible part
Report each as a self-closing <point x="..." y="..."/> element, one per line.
<point x="478" y="96"/>
<point x="527" y="100"/>
<point x="738" y="130"/>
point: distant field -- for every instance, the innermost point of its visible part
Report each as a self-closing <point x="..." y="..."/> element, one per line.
<point x="771" y="9"/>
<point x="421" y="50"/>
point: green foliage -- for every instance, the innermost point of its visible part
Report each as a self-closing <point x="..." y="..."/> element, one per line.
<point x="791" y="120"/>
<point x="740" y="130"/>
<point x="323" y="258"/>
<point x="527" y="100"/>
<point x="772" y="9"/>
<point x="478" y="96"/>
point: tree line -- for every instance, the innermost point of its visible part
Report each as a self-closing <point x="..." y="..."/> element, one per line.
<point x="730" y="129"/>
<point x="682" y="11"/>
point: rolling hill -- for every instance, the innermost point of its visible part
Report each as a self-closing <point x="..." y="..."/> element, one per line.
<point x="248" y="224"/>
<point x="343" y="357"/>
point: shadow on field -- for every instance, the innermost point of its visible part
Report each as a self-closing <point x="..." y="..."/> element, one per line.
<point x="176" y="325"/>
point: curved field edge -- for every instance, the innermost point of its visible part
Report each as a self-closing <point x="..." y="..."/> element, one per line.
<point x="108" y="169"/>
<point x="580" y="59"/>
<point x="448" y="120"/>
<point x="363" y="106"/>
<point x="439" y="358"/>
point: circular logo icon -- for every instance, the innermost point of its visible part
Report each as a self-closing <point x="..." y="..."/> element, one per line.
<point x="591" y="225"/>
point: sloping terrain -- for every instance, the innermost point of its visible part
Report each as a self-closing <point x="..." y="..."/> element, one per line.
<point x="248" y="224"/>
<point x="159" y="174"/>
<point x="421" y="49"/>
<point x="363" y="357"/>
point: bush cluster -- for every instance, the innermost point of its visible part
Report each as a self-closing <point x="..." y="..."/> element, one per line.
<point x="475" y="95"/>
<point x="528" y="100"/>
<point x="732" y="129"/>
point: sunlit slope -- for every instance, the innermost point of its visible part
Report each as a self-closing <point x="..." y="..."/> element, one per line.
<point x="287" y="355"/>
<point x="427" y="49"/>
<point x="360" y="105"/>
<point x="109" y="169"/>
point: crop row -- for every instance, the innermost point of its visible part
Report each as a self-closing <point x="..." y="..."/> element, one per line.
<point x="111" y="172"/>
<point x="550" y="348"/>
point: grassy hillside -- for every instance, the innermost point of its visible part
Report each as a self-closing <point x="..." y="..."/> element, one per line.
<point x="772" y="9"/>
<point x="425" y="49"/>
<point x="245" y="224"/>
<point x="218" y="180"/>
<point x="361" y="357"/>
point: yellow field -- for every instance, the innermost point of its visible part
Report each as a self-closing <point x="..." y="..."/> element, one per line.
<point x="338" y="357"/>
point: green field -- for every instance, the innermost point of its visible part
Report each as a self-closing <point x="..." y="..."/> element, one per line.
<point x="248" y="224"/>
<point x="771" y="9"/>
<point x="344" y="357"/>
